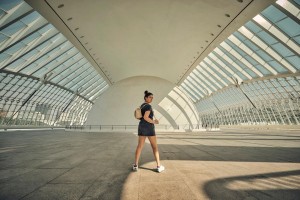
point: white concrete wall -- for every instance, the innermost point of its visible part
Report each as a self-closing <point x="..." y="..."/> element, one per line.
<point x="180" y="109"/>
<point x="117" y="104"/>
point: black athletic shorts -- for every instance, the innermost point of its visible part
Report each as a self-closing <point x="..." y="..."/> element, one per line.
<point x="146" y="128"/>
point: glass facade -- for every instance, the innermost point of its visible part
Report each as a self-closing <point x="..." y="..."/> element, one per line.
<point x="253" y="76"/>
<point x="44" y="79"/>
<point x="270" y="101"/>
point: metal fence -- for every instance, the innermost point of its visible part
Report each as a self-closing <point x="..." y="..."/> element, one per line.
<point x="163" y="127"/>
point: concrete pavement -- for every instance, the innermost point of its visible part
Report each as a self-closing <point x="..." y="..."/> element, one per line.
<point x="240" y="164"/>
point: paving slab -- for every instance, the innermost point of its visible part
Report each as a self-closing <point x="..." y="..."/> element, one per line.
<point x="231" y="164"/>
<point x="58" y="191"/>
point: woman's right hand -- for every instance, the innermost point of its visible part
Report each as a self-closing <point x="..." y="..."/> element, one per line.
<point x="156" y="121"/>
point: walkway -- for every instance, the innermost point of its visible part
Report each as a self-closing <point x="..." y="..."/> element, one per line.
<point x="208" y="165"/>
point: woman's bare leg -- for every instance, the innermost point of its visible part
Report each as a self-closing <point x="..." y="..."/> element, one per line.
<point x="139" y="149"/>
<point x="153" y="143"/>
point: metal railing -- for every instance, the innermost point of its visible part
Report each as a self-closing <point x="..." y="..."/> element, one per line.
<point x="132" y="127"/>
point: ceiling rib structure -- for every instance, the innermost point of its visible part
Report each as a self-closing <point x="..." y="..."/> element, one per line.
<point x="254" y="72"/>
<point x="238" y="61"/>
<point x="267" y="45"/>
<point x="44" y="78"/>
<point x="133" y="38"/>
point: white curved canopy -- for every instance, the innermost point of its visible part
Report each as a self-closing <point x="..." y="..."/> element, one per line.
<point x="147" y="38"/>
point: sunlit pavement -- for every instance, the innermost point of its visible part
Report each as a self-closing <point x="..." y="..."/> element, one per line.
<point x="206" y="165"/>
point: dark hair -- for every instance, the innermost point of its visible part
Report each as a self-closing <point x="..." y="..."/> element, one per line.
<point x="147" y="94"/>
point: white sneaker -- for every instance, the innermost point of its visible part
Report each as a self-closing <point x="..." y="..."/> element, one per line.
<point x="160" y="168"/>
<point x="135" y="167"/>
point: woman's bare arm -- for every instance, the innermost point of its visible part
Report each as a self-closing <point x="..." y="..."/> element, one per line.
<point x="148" y="119"/>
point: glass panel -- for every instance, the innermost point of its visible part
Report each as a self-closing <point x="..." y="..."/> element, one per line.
<point x="45" y="69"/>
<point x="297" y="39"/>
<point x="294" y="60"/>
<point x="236" y="48"/>
<point x="12" y="29"/>
<point x="30" y="54"/>
<point x="199" y="81"/>
<point x="264" y="55"/>
<point x="238" y="62"/>
<point x="285" y="23"/>
<point x="253" y="27"/>
<point x="251" y="73"/>
<point x="29" y="67"/>
<point x="46" y="28"/>
<point x="297" y="2"/>
<point x="267" y="38"/>
<point x="251" y="45"/>
<point x="219" y="75"/>
<point x="87" y="81"/>
<point x="229" y="65"/>
<point x="43" y="59"/>
<point x="63" y="71"/>
<point x="12" y="50"/>
<point x="277" y="67"/>
<point x="65" y="60"/>
<point x="251" y="60"/>
<point x="282" y="50"/>
<point x="31" y="37"/>
<point x="2" y="13"/>
<point x="30" y="18"/>
<point x="72" y="71"/>
<point x="220" y="67"/>
<point x="3" y="57"/>
<point x="206" y="77"/>
<point x="273" y="14"/>
<point x="262" y="69"/>
<point x="239" y="36"/>
<point x="3" y="37"/>
<point x="242" y="76"/>
<point x="57" y="40"/>
<point x="15" y="65"/>
<point x="289" y="26"/>
<point x="9" y="4"/>
<point x="213" y="75"/>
